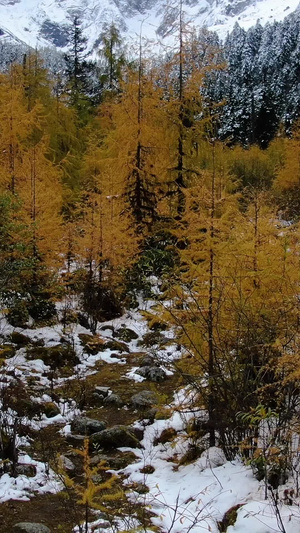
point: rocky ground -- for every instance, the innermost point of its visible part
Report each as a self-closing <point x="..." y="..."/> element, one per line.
<point x="60" y="384"/>
<point x="122" y="389"/>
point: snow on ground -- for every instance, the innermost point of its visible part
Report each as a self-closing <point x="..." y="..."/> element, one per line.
<point x="188" y="497"/>
<point x="18" y="367"/>
<point x="52" y="336"/>
<point x="259" y="517"/>
<point x="22" y="486"/>
<point x="196" y="496"/>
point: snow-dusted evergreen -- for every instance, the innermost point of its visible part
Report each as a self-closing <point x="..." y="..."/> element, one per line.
<point x="261" y="85"/>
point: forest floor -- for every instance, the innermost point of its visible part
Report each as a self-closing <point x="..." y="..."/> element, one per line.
<point x="169" y="486"/>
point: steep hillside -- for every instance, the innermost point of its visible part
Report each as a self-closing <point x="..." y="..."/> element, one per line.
<point x="43" y="23"/>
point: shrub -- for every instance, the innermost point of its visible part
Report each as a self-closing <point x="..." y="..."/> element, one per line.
<point x="18" y="314"/>
<point x="100" y="302"/>
<point x="41" y="308"/>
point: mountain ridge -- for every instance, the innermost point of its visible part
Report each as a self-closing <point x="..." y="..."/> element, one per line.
<point x="46" y="23"/>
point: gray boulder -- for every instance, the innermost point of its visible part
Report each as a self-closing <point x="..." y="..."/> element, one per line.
<point x="75" y="440"/>
<point x="103" y="391"/>
<point x="67" y="463"/>
<point x="137" y="431"/>
<point x="152" y="373"/>
<point x="30" y="527"/>
<point x="83" y="425"/>
<point x="99" y="394"/>
<point x="116" y="462"/>
<point x="144" y="399"/>
<point x="115" y="437"/>
<point x="26" y="470"/>
<point x="113" y="399"/>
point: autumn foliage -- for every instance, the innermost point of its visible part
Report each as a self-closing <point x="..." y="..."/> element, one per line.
<point x="80" y="207"/>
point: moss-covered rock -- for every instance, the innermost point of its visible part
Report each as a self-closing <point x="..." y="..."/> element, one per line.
<point x="153" y="338"/>
<point x="115" y="437"/>
<point x="20" y="339"/>
<point x="122" y="460"/>
<point x="92" y="343"/>
<point x="126" y="334"/>
<point x="7" y="351"/>
<point x="113" y="399"/>
<point x="26" y="470"/>
<point x="115" y="461"/>
<point x="76" y="441"/>
<point x="144" y="399"/>
<point x="50" y="409"/>
<point x="55" y="356"/>
<point x="116" y="345"/>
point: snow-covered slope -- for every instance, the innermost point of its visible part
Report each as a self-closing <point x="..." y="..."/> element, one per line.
<point x="183" y="496"/>
<point x="40" y="23"/>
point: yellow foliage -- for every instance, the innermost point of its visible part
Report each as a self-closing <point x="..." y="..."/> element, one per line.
<point x="288" y="176"/>
<point x="91" y="494"/>
<point x="108" y="243"/>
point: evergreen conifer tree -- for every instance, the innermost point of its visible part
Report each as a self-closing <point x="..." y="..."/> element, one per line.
<point x="79" y="71"/>
<point x="112" y="59"/>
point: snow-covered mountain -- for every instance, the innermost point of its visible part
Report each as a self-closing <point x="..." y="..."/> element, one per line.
<point x="40" y="23"/>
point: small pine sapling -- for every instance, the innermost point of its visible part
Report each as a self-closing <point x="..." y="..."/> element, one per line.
<point x="95" y="492"/>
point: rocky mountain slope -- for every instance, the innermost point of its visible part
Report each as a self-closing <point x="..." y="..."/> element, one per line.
<point x="45" y="23"/>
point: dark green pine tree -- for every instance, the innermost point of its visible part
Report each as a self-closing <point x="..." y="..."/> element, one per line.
<point x="80" y="72"/>
<point x="112" y="60"/>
